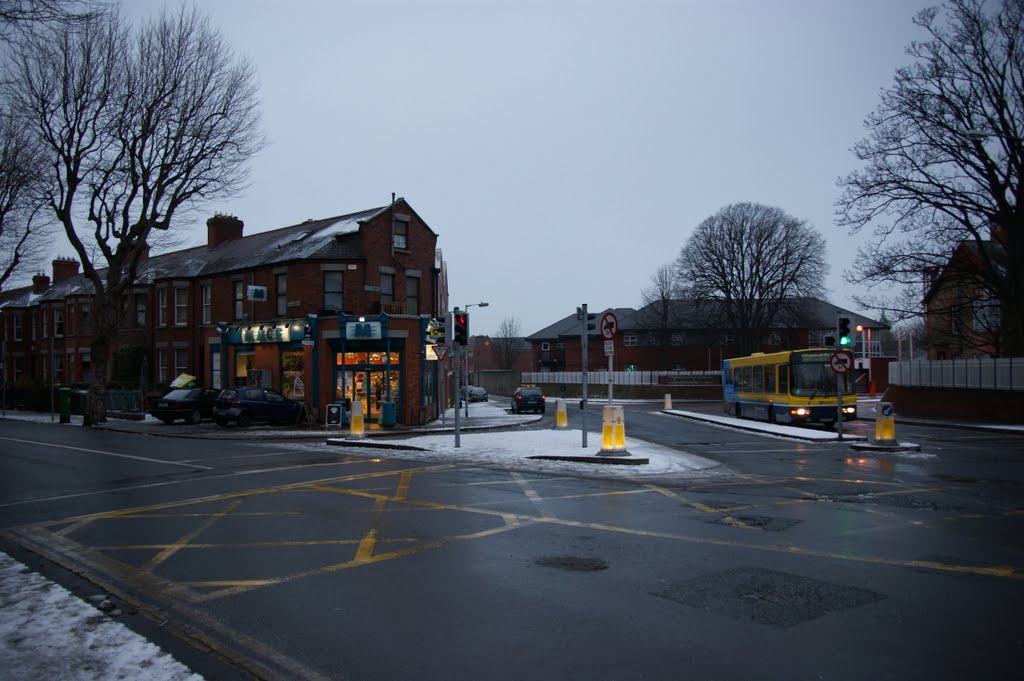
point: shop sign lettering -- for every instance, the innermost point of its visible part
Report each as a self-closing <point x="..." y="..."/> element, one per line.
<point x="362" y="330"/>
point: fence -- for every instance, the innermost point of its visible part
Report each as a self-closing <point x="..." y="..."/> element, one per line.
<point x="986" y="373"/>
<point x="124" y="402"/>
<point x="626" y="377"/>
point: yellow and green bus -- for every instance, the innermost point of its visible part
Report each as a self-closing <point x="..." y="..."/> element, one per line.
<point x="793" y="387"/>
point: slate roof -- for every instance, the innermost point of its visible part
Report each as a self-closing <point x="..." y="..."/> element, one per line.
<point x="815" y="314"/>
<point x="334" y="238"/>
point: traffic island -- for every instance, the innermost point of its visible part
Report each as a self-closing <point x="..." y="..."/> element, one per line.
<point x="885" y="434"/>
<point x="621" y="458"/>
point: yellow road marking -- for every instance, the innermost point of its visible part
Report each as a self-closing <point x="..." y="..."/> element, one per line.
<point x="177" y="546"/>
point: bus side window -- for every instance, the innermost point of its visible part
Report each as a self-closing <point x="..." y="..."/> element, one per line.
<point x="758" y="380"/>
<point x="769" y="378"/>
<point x="784" y="379"/>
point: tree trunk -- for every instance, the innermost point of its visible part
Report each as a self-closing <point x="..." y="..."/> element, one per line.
<point x="96" y="409"/>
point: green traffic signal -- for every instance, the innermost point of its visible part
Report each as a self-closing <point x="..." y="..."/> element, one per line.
<point x="844" y="331"/>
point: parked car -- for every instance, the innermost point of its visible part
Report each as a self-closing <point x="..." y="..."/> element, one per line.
<point x="528" y="398"/>
<point x="477" y="394"/>
<point x="191" y="404"/>
<point x="246" y="406"/>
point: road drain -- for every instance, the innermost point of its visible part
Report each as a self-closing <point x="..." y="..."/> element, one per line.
<point x="572" y="563"/>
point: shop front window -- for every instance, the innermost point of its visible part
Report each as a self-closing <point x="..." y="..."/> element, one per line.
<point x="292" y="384"/>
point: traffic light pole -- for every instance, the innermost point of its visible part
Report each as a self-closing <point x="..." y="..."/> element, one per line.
<point x="584" y="337"/>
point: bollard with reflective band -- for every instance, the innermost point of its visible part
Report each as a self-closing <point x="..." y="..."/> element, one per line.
<point x="885" y="423"/>
<point x="613" y="430"/>
<point x="668" y="400"/>
<point x="357" y="428"/>
<point x="561" y="418"/>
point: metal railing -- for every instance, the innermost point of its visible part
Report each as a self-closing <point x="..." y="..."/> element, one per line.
<point x="984" y="373"/>
<point x="125" y="401"/>
<point x="626" y="377"/>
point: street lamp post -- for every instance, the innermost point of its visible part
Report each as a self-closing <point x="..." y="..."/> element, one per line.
<point x="467" y="358"/>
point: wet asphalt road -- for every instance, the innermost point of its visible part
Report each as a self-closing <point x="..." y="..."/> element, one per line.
<point x="293" y="563"/>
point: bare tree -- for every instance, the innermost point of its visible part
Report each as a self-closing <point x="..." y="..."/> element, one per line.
<point x="30" y="15"/>
<point x="20" y="177"/>
<point x="509" y="343"/>
<point x="661" y="301"/>
<point x="745" y="266"/>
<point x="137" y="126"/>
<point x="943" y="158"/>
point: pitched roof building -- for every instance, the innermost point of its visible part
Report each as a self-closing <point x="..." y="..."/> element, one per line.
<point x="328" y="309"/>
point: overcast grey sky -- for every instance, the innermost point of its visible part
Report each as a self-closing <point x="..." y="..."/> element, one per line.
<point x="562" y="149"/>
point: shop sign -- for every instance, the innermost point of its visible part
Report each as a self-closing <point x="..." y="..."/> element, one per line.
<point x="363" y="330"/>
<point x="281" y="332"/>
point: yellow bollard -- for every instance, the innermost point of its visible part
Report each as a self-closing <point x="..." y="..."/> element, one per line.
<point x="885" y="424"/>
<point x="561" y="418"/>
<point x="357" y="428"/>
<point x="668" y="400"/>
<point x="613" y="429"/>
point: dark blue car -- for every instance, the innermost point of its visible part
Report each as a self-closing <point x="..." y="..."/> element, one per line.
<point x="246" y="406"/>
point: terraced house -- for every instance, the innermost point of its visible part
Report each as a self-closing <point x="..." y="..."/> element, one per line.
<point x="323" y="310"/>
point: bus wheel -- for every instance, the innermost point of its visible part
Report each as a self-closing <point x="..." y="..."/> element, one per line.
<point x="738" y="414"/>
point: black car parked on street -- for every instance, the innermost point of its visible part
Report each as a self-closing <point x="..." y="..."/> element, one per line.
<point x="246" y="406"/>
<point x="528" y="398"/>
<point x="191" y="404"/>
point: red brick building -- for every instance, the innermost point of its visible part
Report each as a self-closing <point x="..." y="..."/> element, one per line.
<point x="322" y="310"/>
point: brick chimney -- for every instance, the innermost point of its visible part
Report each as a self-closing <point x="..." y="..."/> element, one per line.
<point x="64" y="268"/>
<point x="40" y="283"/>
<point x="222" y="228"/>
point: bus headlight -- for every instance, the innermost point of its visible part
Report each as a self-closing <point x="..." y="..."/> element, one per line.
<point x="800" y="412"/>
<point x="849" y="410"/>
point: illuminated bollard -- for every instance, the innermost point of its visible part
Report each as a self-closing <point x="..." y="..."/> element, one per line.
<point x="885" y="424"/>
<point x="561" y="418"/>
<point x="668" y="400"/>
<point x="357" y="428"/>
<point x="613" y="430"/>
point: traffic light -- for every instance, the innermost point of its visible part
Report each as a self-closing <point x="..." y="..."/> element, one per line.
<point x="460" y="332"/>
<point x="591" y="318"/>
<point x="844" y="332"/>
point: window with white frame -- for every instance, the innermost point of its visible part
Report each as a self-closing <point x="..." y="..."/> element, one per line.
<point x="986" y="315"/>
<point x="32" y="322"/>
<point x="161" y="307"/>
<point x="86" y="318"/>
<point x="161" y="365"/>
<point x="728" y="338"/>
<point x="281" y="290"/>
<point x="46" y="327"/>
<point x="140" y="310"/>
<point x="630" y="339"/>
<point x="180" y="306"/>
<point x="238" y="290"/>
<point x="58" y="322"/>
<point x="180" y="361"/>
<point x="207" y="303"/>
<point x="16" y="329"/>
<point x="17" y="367"/>
<point x="387" y="287"/>
<point x="545" y="346"/>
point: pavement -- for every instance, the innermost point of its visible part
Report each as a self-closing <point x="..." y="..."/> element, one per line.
<point x="50" y="633"/>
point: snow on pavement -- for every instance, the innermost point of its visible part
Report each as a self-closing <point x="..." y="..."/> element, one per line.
<point x="48" y="633"/>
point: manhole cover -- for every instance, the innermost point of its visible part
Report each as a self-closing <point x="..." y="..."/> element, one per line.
<point x="775" y="599"/>
<point x="572" y="563"/>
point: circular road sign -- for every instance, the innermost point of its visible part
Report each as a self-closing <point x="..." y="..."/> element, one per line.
<point x="841" y="362"/>
<point x="609" y="325"/>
